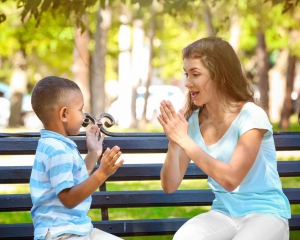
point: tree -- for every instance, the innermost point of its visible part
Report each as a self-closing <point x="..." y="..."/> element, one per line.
<point x="33" y="50"/>
<point x="81" y="66"/>
<point x="136" y="64"/>
<point x="151" y="34"/>
<point x="77" y="8"/>
<point x="98" y="61"/>
<point x="287" y="108"/>
<point x="18" y="84"/>
<point x="263" y="68"/>
<point x="180" y="17"/>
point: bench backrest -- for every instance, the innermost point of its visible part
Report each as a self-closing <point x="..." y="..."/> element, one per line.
<point x="25" y="144"/>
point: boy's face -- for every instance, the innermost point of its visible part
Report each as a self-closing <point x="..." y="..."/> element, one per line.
<point x="75" y="113"/>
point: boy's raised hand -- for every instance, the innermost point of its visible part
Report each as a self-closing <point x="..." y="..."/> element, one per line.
<point x="94" y="146"/>
<point x="93" y="143"/>
<point x="108" y="165"/>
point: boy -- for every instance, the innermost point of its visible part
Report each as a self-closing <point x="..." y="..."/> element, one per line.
<point x="60" y="184"/>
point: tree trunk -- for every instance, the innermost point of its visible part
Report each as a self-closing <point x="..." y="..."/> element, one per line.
<point x="151" y="35"/>
<point x="125" y="88"/>
<point x="136" y="60"/>
<point x="208" y="19"/>
<point x="81" y="66"/>
<point x="277" y="85"/>
<point x="18" y="84"/>
<point x="287" y="105"/>
<point x="98" y="62"/>
<point x="263" y="68"/>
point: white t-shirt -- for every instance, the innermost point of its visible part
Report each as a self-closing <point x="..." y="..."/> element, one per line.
<point x="261" y="189"/>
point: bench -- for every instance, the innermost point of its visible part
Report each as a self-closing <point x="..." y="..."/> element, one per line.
<point x="26" y="143"/>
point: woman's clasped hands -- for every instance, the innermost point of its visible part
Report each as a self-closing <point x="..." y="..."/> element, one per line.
<point x="174" y="124"/>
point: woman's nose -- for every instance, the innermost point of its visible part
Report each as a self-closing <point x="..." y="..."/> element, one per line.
<point x="188" y="84"/>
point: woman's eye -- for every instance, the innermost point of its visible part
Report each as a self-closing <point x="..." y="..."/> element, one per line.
<point x="185" y="74"/>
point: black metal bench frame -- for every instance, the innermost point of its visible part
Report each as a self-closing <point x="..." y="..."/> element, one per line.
<point x="26" y="143"/>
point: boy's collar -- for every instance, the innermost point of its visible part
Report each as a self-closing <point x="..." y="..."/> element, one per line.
<point x="50" y="134"/>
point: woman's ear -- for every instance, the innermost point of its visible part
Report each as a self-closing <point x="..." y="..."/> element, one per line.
<point x="63" y="114"/>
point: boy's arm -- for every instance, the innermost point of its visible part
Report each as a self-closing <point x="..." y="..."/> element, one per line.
<point x="71" y="197"/>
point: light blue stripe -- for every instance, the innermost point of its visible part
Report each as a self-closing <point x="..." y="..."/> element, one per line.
<point x="58" y="165"/>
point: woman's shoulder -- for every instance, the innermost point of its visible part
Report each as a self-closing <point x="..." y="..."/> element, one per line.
<point x="252" y="108"/>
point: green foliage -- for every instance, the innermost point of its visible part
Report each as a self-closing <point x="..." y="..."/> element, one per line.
<point x="76" y="8"/>
<point x="142" y="3"/>
<point x="48" y="46"/>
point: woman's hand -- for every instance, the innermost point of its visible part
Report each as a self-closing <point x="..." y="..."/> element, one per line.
<point x="174" y="124"/>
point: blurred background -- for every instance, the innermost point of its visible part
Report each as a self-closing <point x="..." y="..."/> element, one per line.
<point x="126" y="55"/>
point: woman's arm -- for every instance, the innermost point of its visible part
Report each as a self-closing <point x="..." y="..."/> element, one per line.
<point x="177" y="160"/>
<point x="174" y="168"/>
<point x="229" y="176"/>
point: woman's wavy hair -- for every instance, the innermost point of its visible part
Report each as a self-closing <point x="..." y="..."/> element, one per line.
<point x="225" y="69"/>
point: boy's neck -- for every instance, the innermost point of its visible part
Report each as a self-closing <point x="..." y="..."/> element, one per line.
<point x="56" y="127"/>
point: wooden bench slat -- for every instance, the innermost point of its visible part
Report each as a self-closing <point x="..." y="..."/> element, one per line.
<point x="286" y="141"/>
<point x="16" y="231"/>
<point x="130" y="199"/>
<point x="154" y="144"/>
<point x="25" y="145"/>
<point x="294" y="222"/>
<point x="153" y="198"/>
<point x="119" y="199"/>
<point x="122" y="228"/>
<point x="142" y="227"/>
<point x="159" y="226"/>
<point x="138" y="172"/>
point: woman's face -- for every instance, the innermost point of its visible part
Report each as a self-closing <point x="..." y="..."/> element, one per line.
<point x="198" y="81"/>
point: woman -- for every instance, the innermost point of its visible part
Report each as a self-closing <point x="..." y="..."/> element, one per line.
<point x="229" y="138"/>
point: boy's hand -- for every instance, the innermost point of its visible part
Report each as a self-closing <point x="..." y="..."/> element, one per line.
<point x="71" y="197"/>
<point x="94" y="147"/>
<point x="93" y="144"/>
<point x="108" y="165"/>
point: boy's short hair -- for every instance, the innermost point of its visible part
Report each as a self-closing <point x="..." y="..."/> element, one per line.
<point x="48" y="92"/>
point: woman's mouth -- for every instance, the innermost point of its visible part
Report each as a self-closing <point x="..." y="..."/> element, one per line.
<point x="194" y="94"/>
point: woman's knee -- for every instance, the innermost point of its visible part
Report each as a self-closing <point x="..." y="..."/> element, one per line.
<point x="262" y="227"/>
<point x="211" y="225"/>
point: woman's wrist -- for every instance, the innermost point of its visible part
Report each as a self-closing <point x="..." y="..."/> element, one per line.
<point x="184" y="142"/>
